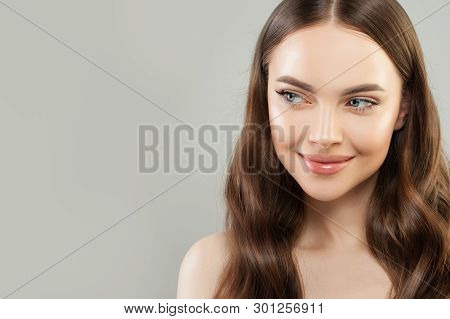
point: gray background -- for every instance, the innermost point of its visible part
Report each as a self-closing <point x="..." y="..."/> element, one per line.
<point x="68" y="132"/>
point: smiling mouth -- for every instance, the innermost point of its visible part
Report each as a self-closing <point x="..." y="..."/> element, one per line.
<point x="325" y="167"/>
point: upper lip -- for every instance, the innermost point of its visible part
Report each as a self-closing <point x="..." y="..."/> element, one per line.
<point x="327" y="158"/>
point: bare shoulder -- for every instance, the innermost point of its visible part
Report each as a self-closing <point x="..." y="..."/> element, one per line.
<point x="202" y="266"/>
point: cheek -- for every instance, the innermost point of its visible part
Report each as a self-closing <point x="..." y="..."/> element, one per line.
<point x="284" y="131"/>
<point x="284" y="125"/>
<point x="278" y="125"/>
<point x="373" y="136"/>
<point x="286" y="138"/>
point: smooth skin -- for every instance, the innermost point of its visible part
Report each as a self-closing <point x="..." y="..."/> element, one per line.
<point x="333" y="254"/>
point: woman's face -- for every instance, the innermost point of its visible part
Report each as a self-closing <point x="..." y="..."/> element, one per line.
<point x="313" y="112"/>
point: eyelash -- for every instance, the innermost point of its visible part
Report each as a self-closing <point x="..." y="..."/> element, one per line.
<point x="360" y="109"/>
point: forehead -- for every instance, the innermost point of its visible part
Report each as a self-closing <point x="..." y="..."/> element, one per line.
<point x="325" y="53"/>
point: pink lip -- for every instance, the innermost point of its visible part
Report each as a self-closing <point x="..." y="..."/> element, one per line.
<point x="320" y="164"/>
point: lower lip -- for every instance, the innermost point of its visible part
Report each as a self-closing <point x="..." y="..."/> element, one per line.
<point x="325" y="168"/>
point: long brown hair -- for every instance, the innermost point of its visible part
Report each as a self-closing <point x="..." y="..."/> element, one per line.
<point x="408" y="222"/>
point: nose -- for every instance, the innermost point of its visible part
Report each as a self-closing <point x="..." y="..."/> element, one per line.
<point x="326" y="129"/>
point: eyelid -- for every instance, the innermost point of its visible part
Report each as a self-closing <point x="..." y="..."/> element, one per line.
<point x="311" y="97"/>
<point x="300" y="94"/>
<point x="345" y="98"/>
<point x="366" y="97"/>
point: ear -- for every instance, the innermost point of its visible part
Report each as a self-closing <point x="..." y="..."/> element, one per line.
<point x="405" y="105"/>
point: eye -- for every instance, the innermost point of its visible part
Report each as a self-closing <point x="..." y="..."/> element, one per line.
<point x="365" y="102"/>
<point x="295" y="100"/>
<point x="291" y="98"/>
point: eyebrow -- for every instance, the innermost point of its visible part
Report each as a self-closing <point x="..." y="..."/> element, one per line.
<point x="351" y="90"/>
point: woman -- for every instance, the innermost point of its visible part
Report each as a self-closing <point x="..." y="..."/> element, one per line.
<point x="338" y="186"/>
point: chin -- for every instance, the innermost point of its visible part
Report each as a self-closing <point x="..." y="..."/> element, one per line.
<point x="323" y="196"/>
<point x="324" y="191"/>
